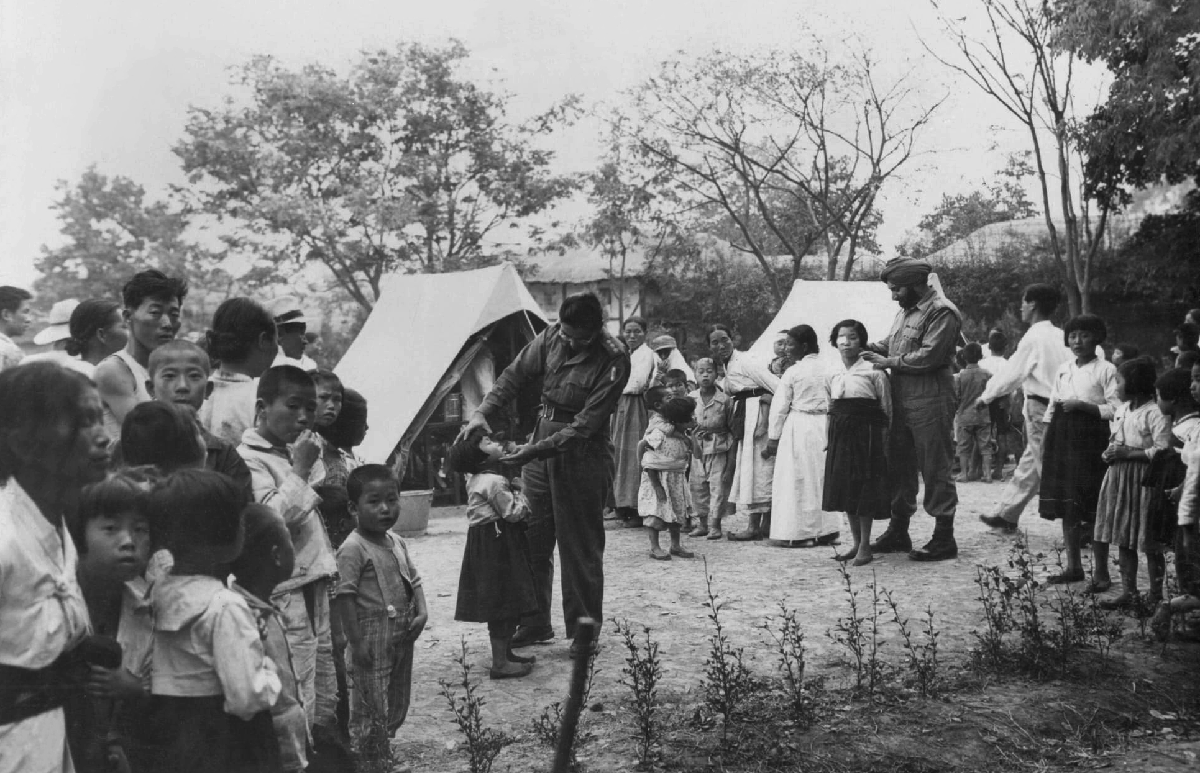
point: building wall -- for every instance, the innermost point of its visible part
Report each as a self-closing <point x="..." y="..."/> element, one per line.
<point x="550" y="296"/>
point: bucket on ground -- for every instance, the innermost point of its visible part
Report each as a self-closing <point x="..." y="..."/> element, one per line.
<point x="414" y="513"/>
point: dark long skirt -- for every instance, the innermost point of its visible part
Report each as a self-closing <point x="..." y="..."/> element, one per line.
<point x="628" y="426"/>
<point x="199" y="737"/>
<point x="856" y="463"/>
<point x="496" y="580"/>
<point x="1072" y="466"/>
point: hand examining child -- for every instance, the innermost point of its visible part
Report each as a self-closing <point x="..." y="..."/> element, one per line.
<point x="520" y="455"/>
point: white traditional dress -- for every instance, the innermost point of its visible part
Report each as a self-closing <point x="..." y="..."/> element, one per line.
<point x="42" y="615"/>
<point x="799" y="415"/>
<point x="753" y="475"/>
<point x="629" y="424"/>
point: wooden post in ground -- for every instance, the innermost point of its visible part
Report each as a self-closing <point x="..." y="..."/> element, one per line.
<point x="585" y="638"/>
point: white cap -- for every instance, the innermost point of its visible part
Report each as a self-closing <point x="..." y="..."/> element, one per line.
<point x="58" y="326"/>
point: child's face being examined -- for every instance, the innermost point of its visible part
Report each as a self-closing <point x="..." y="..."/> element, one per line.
<point x="490" y="447"/>
<point x="1083" y="344"/>
<point x="847" y="342"/>
<point x="181" y="379"/>
<point x="118" y="545"/>
<point x="706" y="374"/>
<point x="675" y="388"/>
<point x="378" y="507"/>
<point x="289" y="414"/>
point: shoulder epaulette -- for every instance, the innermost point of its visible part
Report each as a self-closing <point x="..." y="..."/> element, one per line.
<point x="612" y="345"/>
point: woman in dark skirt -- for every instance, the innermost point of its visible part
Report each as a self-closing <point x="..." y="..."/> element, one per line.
<point x="856" y="454"/>
<point x="495" y="585"/>
<point x="629" y="421"/>
<point x="1083" y="400"/>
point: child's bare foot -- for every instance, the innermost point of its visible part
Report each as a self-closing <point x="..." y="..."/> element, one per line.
<point x="658" y="554"/>
<point x="848" y="555"/>
<point x="511" y="671"/>
<point x="864" y="558"/>
<point x="677" y="550"/>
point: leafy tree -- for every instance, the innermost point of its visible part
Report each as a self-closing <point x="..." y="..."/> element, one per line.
<point x="1019" y="64"/>
<point x="1160" y="263"/>
<point x="791" y="149"/>
<point x="1148" y="129"/>
<point x="403" y="164"/>
<point x="960" y="215"/>
<point x="111" y="232"/>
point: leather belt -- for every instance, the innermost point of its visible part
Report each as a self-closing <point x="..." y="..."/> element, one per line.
<point x="555" y="414"/>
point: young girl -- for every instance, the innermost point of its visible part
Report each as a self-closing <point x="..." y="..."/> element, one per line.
<point x="798" y="433"/>
<point x="342" y="436"/>
<point x="52" y="443"/>
<point x="665" y="452"/>
<point x="856" y="460"/>
<point x="242" y="345"/>
<point x="1084" y="397"/>
<point x="1139" y="432"/>
<point x="212" y="684"/>
<point x="495" y="585"/>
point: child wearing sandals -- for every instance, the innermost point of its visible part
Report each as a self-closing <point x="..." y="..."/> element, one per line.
<point x="665" y="451"/>
<point x="1084" y="397"/>
<point x="495" y="585"/>
<point x="1139" y="432"/>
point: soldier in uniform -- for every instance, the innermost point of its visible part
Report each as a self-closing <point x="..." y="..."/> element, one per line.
<point x="568" y="464"/>
<point x="918" y="353"/>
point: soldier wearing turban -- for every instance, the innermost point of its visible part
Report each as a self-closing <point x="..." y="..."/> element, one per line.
<point x="917" y="354"/>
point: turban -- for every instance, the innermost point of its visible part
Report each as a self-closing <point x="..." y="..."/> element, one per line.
<point x="905" y="271"/>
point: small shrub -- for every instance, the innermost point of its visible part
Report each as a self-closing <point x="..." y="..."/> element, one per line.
<point x="484" y="744"/>
<point x="727" y="681"/>
<point x="922" y="657"/>
<point x="643" y="669"/>
<point x="789" y="644"/>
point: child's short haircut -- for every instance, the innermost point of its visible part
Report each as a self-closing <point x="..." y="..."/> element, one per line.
<point x="162" y="435"/>
<point x="368" y="473"/>
<point x="582" y="311"/>
<point x="466" y="457"/>
<point x="121" y="492"/>
<point x="277" y="379"/>
<point x="152" y="284"/>
<point x="175" y="347"/>
<point x="1188" y="334"/>
<point x="1088" y="323"/>
<point x="675" y="374"/>
<point x="1175" y="385"/>
<point x="859" y="328"/>
<point x="678" y="410"/>
<point x="264" y="529"/>
<point x="705" y="360"/>
<point x="1128" y="351"/>
<point x="1045" y="298"/>
<point x="35" y="397"/>
<point x="11" y="297"/>
<point x="1139" y="376"/>
<point x="199" y="510"/>
<point x="997" y="341"/>
<point x="654" y="396"/>
<point x="972" y="353"/>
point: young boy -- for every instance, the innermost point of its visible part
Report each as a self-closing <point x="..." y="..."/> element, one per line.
<point x="676" y="383"/>
<point x="280" y="452"/>
<point x="15" y="317"/>
<point x="712" y="442"/>
<point x="179" y="372"/>
<point x="973" y="425"/>
<point x="153" y="302"/>
<point x="112" y="532"/>
<point x="268" y="559"/>
<point x="381" y="604"/>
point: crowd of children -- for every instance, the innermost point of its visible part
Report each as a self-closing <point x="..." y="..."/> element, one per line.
<point x="187" y="551"/>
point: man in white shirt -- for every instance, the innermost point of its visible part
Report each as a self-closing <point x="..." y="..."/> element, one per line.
<point x="291" y="327"/>
<point x="1032" y="366"/>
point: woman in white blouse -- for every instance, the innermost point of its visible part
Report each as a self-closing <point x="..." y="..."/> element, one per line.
<point x="750" y="384"/>
<point x="856" y="461"/>
<point x="797" y="435"/>
<point x="630" y="419"/>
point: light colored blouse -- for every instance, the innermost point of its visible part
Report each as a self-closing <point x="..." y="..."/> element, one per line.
<point x="42" y="611"/>
<point x="744" y="373"/>
<point x="229" y="410"/>
<point x="490" y="498"/>
<point x="804" y="388"/>
<point x="668" y="450"/>
<point x="643" y="370"/>
<point x="862" y="380"/>
<point x="1095" y="383"/>
<point x="1144" y="427"/>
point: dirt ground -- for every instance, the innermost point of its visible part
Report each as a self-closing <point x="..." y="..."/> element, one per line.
<point x="968" y="728"/>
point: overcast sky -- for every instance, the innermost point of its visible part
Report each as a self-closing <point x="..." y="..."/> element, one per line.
<point x="108" y="82"/>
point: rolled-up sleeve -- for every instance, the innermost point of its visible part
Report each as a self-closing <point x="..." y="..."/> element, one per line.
<point x="528" y="368"/>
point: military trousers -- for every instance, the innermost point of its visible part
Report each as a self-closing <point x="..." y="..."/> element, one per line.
<point x="921" y="442"/>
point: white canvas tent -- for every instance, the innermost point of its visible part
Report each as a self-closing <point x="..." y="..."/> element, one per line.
<point x="822" y="305"/>
<point x="426" y="333"/>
